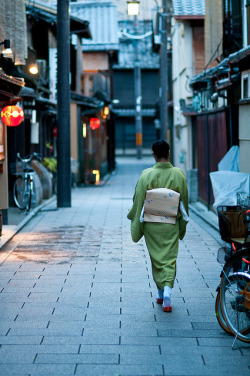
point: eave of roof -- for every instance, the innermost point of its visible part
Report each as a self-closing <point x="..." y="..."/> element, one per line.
<point x="28" y="92"/>
<point x="128" y="112"/>
<point x="188" y="17"/>
<point x="10" y="89"/>
<point x="49" y="15"/>
<point x="222" y="67"/>
<point x="89" y="102"/>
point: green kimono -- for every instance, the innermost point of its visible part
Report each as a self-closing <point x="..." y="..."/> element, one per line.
<point x="162" y="239"/>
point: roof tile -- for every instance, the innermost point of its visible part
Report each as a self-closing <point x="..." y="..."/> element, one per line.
<point x="103" y="25"/>
<point x="189" y="7"/>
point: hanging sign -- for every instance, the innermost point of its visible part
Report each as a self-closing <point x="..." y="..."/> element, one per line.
<point x="12" y="115"/>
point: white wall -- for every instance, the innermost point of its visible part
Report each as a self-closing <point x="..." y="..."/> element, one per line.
<point x="182" y="67"/>
<point x="244" y="137"/>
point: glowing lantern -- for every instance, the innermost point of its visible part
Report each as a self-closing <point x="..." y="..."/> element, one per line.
<point x="95" y="123"/>
<point x="12" y="115"/>
<point x="54" y="132"/>
<point x="106" y="111"/>
<point x="97" y="174"/>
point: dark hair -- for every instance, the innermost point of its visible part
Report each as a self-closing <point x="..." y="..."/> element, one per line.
<point x="161" y="149"/>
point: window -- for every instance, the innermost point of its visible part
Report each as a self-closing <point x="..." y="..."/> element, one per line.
<point x="245" y="85"/>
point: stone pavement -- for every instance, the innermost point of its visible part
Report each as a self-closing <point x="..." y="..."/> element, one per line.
<point x="77" y="296"/>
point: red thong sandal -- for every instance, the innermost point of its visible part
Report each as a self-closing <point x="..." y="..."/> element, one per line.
<point x="159" y="300"/>
<point x="167" y="309"/>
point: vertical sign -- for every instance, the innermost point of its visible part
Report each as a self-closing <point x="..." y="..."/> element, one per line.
<point x="53" y="73"/>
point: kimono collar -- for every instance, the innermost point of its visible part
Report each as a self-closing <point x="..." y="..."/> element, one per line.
<point x="163" y="165"/>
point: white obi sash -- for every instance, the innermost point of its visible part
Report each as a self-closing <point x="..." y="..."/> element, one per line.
<point x="161" y="205"/>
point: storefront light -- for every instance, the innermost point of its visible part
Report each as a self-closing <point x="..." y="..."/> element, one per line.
<point x="106" y="111"/>
<point x="84" y="130"/>
<point x="97" y="174"/>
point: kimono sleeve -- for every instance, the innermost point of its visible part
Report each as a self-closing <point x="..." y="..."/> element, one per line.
<point x="184" y="198"/>
<point x="135" y="212"/>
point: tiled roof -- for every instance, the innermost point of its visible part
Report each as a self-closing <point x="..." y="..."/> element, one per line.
<point x="188" y="7"/>
<point x="102" y="17"/>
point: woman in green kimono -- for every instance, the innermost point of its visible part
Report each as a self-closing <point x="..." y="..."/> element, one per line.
<point x="162" y="239"/>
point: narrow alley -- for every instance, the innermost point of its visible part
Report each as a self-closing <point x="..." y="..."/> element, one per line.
<point x="77" y="295"/>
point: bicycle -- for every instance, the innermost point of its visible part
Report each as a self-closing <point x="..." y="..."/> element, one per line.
<point x="235" y="295"/>
<point x="232" y="304"/>
<point x="24" y="185"/>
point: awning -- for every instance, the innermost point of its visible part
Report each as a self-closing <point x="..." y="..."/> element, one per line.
<point x="46" y="101"/>
<point x="90" y="102"/>
<point x="49" y="15"/>
<point x="27" y="92"/>
<point x="10" y="89"/>
<point x="222" y="68"/>
<point x="89" y="105"/>
<point x="124" y="112"/>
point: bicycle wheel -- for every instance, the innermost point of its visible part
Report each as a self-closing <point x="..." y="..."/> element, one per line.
<point x="219" y="315"/>
<point x="19" y="193"/>
<point x="28" y="194"/>
<point x="235" y="295"/>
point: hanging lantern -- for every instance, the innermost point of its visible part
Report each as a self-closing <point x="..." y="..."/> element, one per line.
<point x="95" y="123"/>
<point x="12" y="115"/>
<point x="54" y="132"/>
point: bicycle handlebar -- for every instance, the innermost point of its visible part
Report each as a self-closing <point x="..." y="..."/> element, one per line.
<point x="27" y="160"/>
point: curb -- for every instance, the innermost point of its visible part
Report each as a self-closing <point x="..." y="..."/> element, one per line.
<point x="204" y="217"/>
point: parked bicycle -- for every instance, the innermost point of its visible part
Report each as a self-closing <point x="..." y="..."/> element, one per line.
<point x="232" y="304"/>
<point x="24" y="185"/>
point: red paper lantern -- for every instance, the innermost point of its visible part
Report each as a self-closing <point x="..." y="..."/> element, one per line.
<point x="12" y="115"/>
<point x="54" y="132"/>
<point x="95" y="123"/>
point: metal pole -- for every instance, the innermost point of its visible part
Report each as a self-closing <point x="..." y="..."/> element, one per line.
<point x="63" y="105"/>
<point x="164" y="74"/>
<point x="138" y="98"/>
<point x="208" y="163"/>
<point x="138" y="117"/>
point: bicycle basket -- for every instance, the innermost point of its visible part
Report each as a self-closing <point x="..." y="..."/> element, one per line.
<point x="232" y="222"/>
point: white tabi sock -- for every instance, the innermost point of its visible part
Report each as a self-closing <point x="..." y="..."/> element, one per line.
<point x="167" y="296"/>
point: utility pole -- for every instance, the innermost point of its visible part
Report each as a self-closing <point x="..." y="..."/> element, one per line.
<point x="164" y="74"/>
<point x="63" y="105"/>
<point x="133" y="10"/>
<point x="138" y="97"/>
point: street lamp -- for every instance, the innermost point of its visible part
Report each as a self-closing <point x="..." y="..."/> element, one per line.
<point x="133" y="9"/>
<point x="33" y="69"/>
<point x="164" y="62"/>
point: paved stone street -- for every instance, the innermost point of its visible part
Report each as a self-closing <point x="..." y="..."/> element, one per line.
<point x="77" y="296"/>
